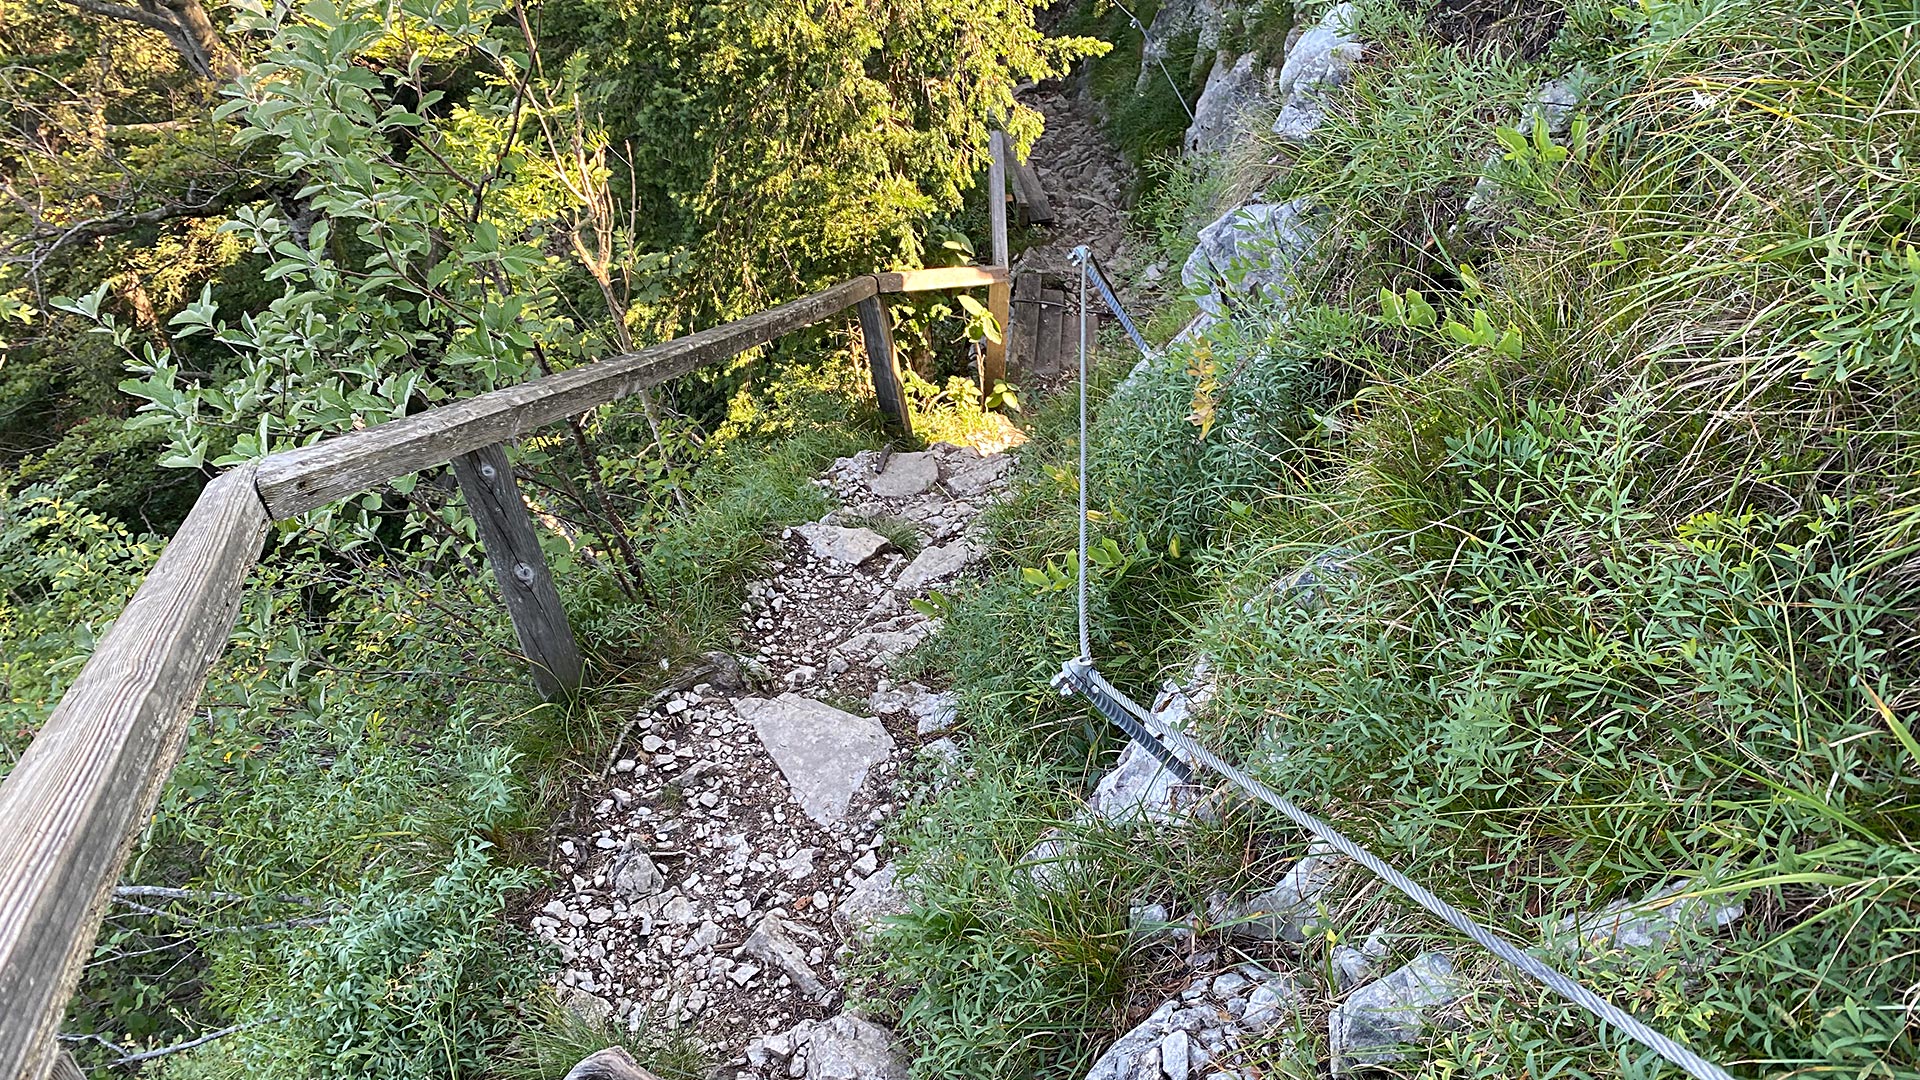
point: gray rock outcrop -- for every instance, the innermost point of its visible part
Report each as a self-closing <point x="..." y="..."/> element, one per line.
<point x="1320" y="60"/>
<point x="1376" y="1019"/>
<point x="1232" y="87"/>
<point x="1649" y="923"/>
<point x="1249" y="251"/>
<point x="849" y="547"/>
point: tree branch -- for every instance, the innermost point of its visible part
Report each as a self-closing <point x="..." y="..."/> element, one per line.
<point x="121" y="11"/>
<point x="149" y="1055"/>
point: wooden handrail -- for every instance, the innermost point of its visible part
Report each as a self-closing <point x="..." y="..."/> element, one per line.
<point x="80" y="795"/>
<point x="73" y="807"/>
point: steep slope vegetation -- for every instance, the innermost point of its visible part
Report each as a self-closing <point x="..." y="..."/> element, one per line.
<point x="1577" y="380"/>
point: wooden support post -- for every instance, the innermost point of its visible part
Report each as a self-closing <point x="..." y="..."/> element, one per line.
<point x="876" y="328"/>
<point x="513" y="549"/>
<point x="993" y="358"/>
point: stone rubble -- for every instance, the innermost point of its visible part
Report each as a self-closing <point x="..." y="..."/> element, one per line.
<point x="1203" y="1031"/>
<point x="737" y="845"/>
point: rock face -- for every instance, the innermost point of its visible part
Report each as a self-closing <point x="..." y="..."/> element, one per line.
<point x="1323" y="58"/>
<point x="1248" y="251"/>
<point x="1366" y="1027"/>
<point x="1231" y="87"/>
<point x="823" y="753"/>
<point x="850" y="547"/>
<point x="1210" y="1020"/>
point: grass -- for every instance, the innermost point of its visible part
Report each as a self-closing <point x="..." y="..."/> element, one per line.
<point x="1631" y="579"/>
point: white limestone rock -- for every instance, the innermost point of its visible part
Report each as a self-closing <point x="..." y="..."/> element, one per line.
<point x="905" y="476"/>
<point x="977" y="478"/>
<point x="1251" y="251"/>
<point x="849" y="1048"/>
<point x="771" y="942"/>
<point x="823" y="753"/>
<point x="837" y="543"/>
<point x="874" y="899"/>
<point x="1231" y="87"/>
<point x="1370" y="1025"/>
<point x="1321" y="59"/>
<point x="934" y="564"/>
<point x="633" y="873"/>
<point x="1649" y="923"/>
<point x="1289" y="910"/>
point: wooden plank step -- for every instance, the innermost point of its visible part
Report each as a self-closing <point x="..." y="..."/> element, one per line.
<point x="1023" y="342"/>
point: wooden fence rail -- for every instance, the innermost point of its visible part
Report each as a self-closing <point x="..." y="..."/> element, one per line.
<point x="73" y="807"/>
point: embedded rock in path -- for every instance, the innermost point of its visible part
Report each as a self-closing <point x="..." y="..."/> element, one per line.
<point x="823" y="753"/>
<point x="1323" y="58"/>
<point x="933" y="564"/>
<point x="905" y="476"/>
<point x="932" y="713"/>
<point x="1367" y="1027"/>
<point x="1650" y="923"/>
<point x="1288" y="910"/>
<point x="773" y="943"/>
<point x="633" y="872"/>
<point x="592" y="1009"/>
<point x="873" y="899"/>
<point x="849" y="547"/>
<point x="849" y="1048"/>
<point x="1250" y="250"/>
<point x="977" y="476"/>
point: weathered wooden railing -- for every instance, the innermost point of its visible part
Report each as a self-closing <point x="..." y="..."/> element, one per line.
<point x="73" y="807"/>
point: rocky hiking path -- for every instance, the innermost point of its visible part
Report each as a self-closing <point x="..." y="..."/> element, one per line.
<point x="1086" y="180"/>
<point x="737" y="850"/>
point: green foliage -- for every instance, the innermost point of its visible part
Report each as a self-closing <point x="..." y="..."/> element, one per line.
<point x="1607" y="498"/>
<point x="411" y="981"/>
<point x="1008" y="980"/>
<point x="782" y="145"/>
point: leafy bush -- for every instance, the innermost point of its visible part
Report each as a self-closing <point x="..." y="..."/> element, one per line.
<point x="411" y="981"/>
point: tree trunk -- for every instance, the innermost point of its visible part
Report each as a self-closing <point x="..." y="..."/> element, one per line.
<point x="187" y="26"/>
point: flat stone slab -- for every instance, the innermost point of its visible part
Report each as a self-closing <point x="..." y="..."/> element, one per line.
<point x="850" y="547"/>
<point x="823" y="753"/>
<point x="905" y="476"/>
<point x="931" y="565"/>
